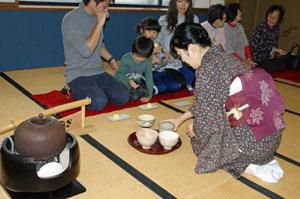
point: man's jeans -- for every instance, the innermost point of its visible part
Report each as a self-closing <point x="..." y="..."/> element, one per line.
<point x="102" y="89"/>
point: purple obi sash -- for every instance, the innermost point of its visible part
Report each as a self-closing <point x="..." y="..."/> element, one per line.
<point x="262" y="105"/>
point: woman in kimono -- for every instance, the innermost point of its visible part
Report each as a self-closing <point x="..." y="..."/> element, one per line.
<point x="231" y="130"/>
<point x="265" y="38"/>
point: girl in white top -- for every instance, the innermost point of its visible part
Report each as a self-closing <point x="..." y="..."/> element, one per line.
<point x="236" y="41"/>
<point x="214" y="25"/>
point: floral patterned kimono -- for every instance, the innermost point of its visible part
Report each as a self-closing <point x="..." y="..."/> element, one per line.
<point x="218" y="144"/>
<point x="262" y="42"/>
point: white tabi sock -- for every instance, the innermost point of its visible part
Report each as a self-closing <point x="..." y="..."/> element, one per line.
<point x="277" y="170"/>
<point x="270" y="172"/>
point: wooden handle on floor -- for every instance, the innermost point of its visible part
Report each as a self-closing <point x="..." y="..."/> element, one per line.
<point x="51" y="111"/>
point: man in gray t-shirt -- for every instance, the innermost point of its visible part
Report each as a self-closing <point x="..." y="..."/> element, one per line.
<point x="82" y="31"/>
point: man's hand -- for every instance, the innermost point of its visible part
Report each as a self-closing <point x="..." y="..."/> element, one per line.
<point x="102" y="14"/>
<point x="114" y="66"/>
<point x="94" y="36"/>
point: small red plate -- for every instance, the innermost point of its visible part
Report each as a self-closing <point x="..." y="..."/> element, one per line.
<point x="156" y="148"/>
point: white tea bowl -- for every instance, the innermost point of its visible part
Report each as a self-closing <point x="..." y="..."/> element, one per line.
<point x="146" y="120"/>
<point x="168" y="139"/>
<point x="146" y="137"/>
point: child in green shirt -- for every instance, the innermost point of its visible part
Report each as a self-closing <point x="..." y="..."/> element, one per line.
<point x="135" y="70"/>
<point x="168" y="80"/>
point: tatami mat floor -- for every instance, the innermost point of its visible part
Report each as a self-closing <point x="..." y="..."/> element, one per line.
<point x="104" y="177"/>
<point x="14" y="104"/>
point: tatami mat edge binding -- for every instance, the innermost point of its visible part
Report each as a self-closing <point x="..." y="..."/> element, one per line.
<point x="259" y="188"/>
<point x="282" y="82"/>
<point x="283" y="157"/>
<point x="21" y="89"/>
<point x="292" y="112"/>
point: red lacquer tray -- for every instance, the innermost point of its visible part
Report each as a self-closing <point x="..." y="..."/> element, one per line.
<point x="156" y="148"/>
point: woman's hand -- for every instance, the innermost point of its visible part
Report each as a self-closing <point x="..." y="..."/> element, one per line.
<point x="133" y="84"/>
<point x="279" y="52"/>
<point x="250" y="63"/>
<point x="155" y="60"/>
<point x="157" y="48"/>
<point x="190" y="130"/>
<point x="168" y="56"/>
<point x="145" y="99"/>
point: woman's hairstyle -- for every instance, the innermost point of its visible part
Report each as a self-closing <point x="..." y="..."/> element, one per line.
<point x="273" y="8"/>
<point x="85" y="2"/>
<point x="215" y="12"/>
<point x="172" y="14"/>
<point x="232" y="11"/>
<point x="189" y="33"/>
<point x="148" y="23"/>
<point x="142" y="46"/>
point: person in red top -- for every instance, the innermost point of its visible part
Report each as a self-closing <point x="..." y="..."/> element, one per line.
<point x="236" y="42"/>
